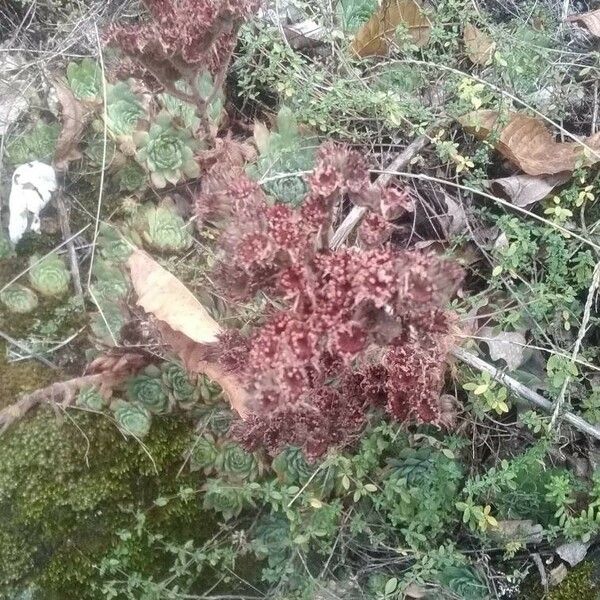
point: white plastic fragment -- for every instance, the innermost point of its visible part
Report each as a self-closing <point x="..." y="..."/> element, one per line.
<point x="32" y="187"/>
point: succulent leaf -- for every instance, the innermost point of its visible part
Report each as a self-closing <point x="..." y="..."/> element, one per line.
<point x="204" y="454"/>
<point x="132" y="419"/>
<point x="165" y="230"/>
<point x="131" y="178"/>
<point x="90" y="397"/>
<point x="237" y="464"/>
<point x="167" y="152"/>
<point x="49" y="276"/>
<point x="94" y="151"/>
<point x="148" y="391"/>
<point x="180" y="388"/>
<point x="19" y="299"/>
<point x="123" y="110"/>
<point x="85" y="79"/>
<point x="38" y="143"/>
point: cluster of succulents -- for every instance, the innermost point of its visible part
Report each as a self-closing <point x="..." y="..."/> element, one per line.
<point x="19" y="299"/>
<point x="167" y="151"/>
<point x="281" y="152"/>
<point x="187" y="112"/>
<point x="49" y="275"/>
<point x="164" y="229"/>
<point x="123" y="110"/>
<point x="90" y="397"/>
<point x="182" y="390"/>
<point x="85" y="79"/>
<point x="38" y="143"/>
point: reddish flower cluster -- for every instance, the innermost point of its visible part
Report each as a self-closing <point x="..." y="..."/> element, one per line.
<point x="360" y="327"/>
<point x="183" y="35"/>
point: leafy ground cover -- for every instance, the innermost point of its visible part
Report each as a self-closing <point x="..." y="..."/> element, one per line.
<point x="298" y="300"/>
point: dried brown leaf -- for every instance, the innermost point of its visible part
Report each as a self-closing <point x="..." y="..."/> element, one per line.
<point x="479" y="45"/>
<point x="73" y="123"/>
<point x="507" y="345"/>
<point x="589" y="20"/>
<point x="524" y="190"/>
<point x="529" y="144"/>
<point x="375" y="36"/>
<point x="163" y="295"/>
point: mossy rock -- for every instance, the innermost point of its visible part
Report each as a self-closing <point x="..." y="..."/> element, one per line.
<point x="580" y="584"/>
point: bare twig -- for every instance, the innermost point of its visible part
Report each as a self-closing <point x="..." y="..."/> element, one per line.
<point x="357" y="213"/>
<point x="65" y="228"/>
<point x="29" y="351"/>
<point x="524" y="392"/>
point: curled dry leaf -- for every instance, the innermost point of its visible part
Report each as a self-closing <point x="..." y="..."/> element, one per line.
<point x="375" y="36"/>
<point x="164" y="296"/>
<point x="524" y="190"/>
<point x="529" y="144"/>
<point x="479" y="45"/>
<point x="589" y="20"/>
<point x="506" y="345"/>
<point x="73" y="118"/>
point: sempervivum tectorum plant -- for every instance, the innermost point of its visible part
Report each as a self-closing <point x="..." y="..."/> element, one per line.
<point x="147" y="389"/>
<point x="165" y="230"/>
<point x="131" y="177"/>
<point x="123" y="110"/>
<point x="132" y="419"/>
<point x="228" y="499"/>
<point x="167" y="151"/>
<point x="204" y="454"/>
<point x="90" y="397"/>
<point x="19" y="299"/>
<point x="49" y="275"/>
<point x="85" y="79"/>
<point x="180" y="387"/>
<point x="110" y="285"/>
<point x="236" y="464"/>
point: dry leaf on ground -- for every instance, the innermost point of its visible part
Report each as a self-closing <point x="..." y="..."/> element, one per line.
<point x="589" y="20"/>
<point x="529" y="144"/>
<point x="73" y="124"/>
<point x="524" y="190"/>
<point x="375" y="36"/>
<point x="479" y="45"/>
<point x="164" y="296"/>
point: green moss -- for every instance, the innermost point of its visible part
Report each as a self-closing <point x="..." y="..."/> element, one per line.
<point x="68" y="486"/>
<point x="578" y="585"/>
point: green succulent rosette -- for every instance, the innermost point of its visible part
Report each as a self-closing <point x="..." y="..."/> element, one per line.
<point x="413" y="465"/>
<point x="292" y="468"/>
<point x="94" y="151"/>
<point x="38" y="143"/>
<point x="204" y="454"/>
<point x="90" y="397"/>
<point x="464" y="583"/>
<point x="211" y="392"/>
<point x="165" y="230"/>
<point x="85" y="79"/>
<point x="123" y="110"/>
<point x="229" y="499"/>
<point x="281" y="152"/>
<point x="19" y="299"/>
<point x="110" y="285"/>
<point x="132" y="419"/>
<point x="113" y="245"/>
<point x="180" y="388"/>
<point x="49" y="275"/>
<point x="107" y="324"/>
<point x="131" y="178"/>
<point x="167" y="152"/>
<point x="216" y="418"/>
<point x="147" y="390"/>
<point x="236" y="464"/>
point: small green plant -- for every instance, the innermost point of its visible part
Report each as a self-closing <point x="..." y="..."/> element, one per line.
<point x="147" y="390"/>
<point x="204" y="454"/>
<point x="167" y="151"/>
<point x="37" y="143"/>
<point x="235" y="464"/>
<point x="132" y="419"/>
<point x="107" y="323"/>
<point x="110" y="284"/>
<point x="181" y="389"/>
<point x="228" y="499"/>
<point x="123" y="110"/>
<point x="487" y="395"/>
<point x="19" y="298"/>
<point x="49" y="275"/>
<point x="165" y="230"/>
<point x="85" y="79"/>
<point x="131" y="177"/>
<point x="90" y="397"/>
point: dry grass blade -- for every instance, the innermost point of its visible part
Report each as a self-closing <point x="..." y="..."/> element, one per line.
<point x="73" y="124"/>
<point x="479" y="46"/>
<point x="527" y="143"/>
<point x="589" y="20"/>
<point x="375" y="36"/>
<point x="164" y="296"/>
